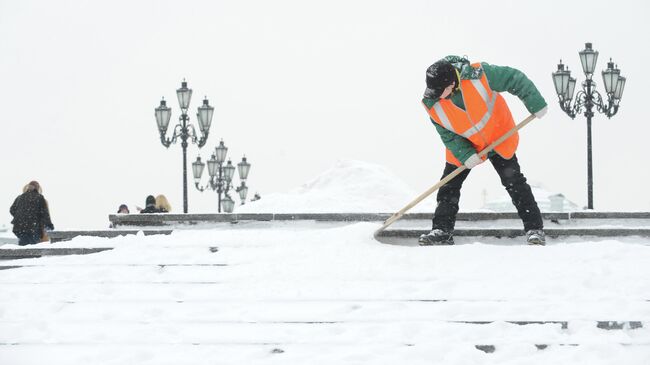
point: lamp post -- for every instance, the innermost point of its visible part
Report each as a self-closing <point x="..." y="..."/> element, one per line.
<point x="588" y="98"/>
<point x="220" y="179"/>
<point x="183" y="129"/>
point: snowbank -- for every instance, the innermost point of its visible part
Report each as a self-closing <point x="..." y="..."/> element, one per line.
<point x="348" y="187"/>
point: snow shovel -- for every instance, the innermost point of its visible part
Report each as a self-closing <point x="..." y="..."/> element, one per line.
<point x="446" y="179"/>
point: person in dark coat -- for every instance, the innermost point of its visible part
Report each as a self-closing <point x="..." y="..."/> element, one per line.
<point x="31" y="215"/>
<point x="150" y="205"/>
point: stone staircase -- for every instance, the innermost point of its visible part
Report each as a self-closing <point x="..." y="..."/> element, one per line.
<point x="185" y="295"/>
<point x="409" y="227"/>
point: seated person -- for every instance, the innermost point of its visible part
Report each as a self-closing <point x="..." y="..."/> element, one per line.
<point x="123" y="209"/>
<point x="162" y="204"/>
<point x="150" y="206"/>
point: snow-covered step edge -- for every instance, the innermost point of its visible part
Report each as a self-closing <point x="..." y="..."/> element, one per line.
<point x="172" y="219"/>
<point x="57" y="236"/>
<point x="24" y="252"/>
<point x="512" y="232"/>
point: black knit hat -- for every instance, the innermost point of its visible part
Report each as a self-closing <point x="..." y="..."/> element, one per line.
<point x="439" y="75"/>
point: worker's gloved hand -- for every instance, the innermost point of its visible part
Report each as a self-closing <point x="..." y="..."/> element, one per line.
<point x="541" y="113"/>
<point x="473" y="161"/>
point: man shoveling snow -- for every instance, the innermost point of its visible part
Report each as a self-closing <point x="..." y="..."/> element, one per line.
<point x="465" y="106"/>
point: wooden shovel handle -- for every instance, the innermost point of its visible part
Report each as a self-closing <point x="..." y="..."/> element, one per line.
<point x="446" y="179"/>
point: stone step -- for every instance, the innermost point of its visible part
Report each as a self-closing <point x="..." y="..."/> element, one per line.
<point x="511" y="232"/>
<point x="488" y="349"/>
<point x="80" y="333"/>
<point x="228" y="350"/>
<point x="172" y="219"/>
<point x="26" y="253"/>
<point x="57" y="236"/>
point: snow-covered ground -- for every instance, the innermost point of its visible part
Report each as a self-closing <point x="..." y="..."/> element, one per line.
<point x="328" y="295"/>
<point x="309" y="293"/>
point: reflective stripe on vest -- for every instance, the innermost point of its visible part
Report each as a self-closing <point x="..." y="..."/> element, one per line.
<point x="490" y="107"/>
<point x="475" y="128"/>
<point x="443" y="117"/>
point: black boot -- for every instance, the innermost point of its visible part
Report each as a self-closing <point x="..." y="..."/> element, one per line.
<point x="536" y="237"/>
<point x="437" y="237"/>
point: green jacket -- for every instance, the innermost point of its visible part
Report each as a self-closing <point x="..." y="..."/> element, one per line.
<point x="500" y="78"/>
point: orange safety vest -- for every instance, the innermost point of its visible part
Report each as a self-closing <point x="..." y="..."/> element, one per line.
<point x="486" y="118"/>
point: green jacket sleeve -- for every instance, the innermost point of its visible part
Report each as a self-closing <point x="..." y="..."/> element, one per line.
<point x="503" y="78"/>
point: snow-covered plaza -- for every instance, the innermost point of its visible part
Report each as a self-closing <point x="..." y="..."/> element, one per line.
<point x="326" y="295"/>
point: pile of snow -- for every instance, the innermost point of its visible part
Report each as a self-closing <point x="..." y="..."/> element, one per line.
<point x="349" y="187"/>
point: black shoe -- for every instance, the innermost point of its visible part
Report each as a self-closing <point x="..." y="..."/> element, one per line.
<point x="536" y="237"/>
<point x="437" y="237"/>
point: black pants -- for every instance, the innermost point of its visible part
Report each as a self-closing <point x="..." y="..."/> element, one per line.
<point x="28" y="238"/>
<point x="511" y="178"/>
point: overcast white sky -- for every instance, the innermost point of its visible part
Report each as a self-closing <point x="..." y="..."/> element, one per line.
<point x="296" y="85"/>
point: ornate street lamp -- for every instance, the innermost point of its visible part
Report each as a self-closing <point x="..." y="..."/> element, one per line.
<point x="243" y="191"/>
<point x="221" y="175"/>
<point x="183" y="129"/>
<point x="588" y="98"/>
<point x="243" y="168"/>
<point x="228" y="204"/>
